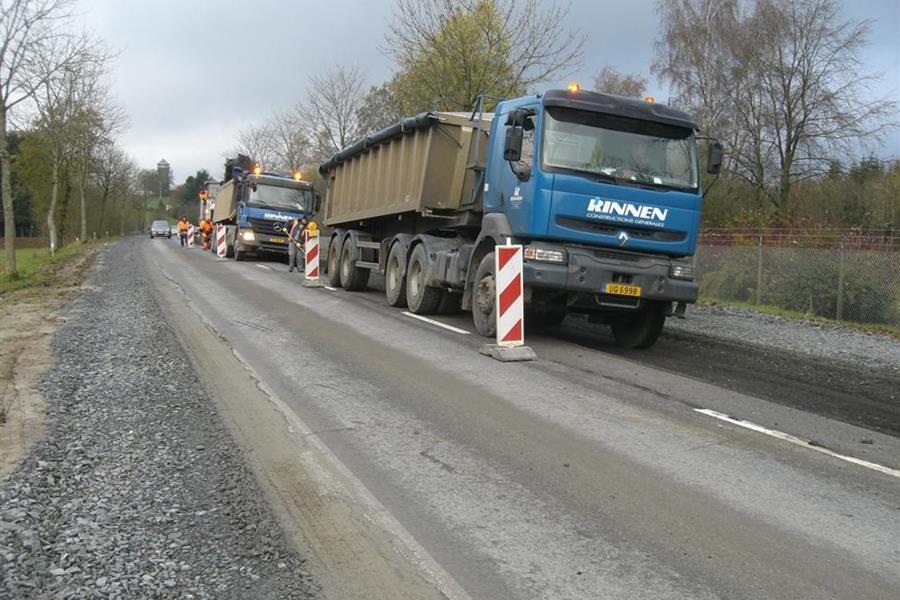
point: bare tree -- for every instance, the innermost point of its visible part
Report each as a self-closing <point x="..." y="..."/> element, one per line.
<point x="112" y="175"/>
<point x="612" y="81"/>
<point x="256" y="142"/>
<point x="96" y="121"/>
<point x="27" y="29"/>
<point x="380" y="108"/>
<point x="65" y="100"/>
<point x="329" y="115"/>
<point x="454" y="50"/>
<point x="783" y="84"/>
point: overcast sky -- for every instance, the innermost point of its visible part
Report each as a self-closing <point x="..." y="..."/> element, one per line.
<point x="191" y="73"/>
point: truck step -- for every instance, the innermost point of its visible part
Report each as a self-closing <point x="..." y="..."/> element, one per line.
<point x="364" y="264"/>
<point x="369" y="245"/>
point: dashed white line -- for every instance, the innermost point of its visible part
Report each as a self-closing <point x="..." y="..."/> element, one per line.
<point x="798" y="441"/>
<point x="264" y="267"/>
<point x="437" y="323"/>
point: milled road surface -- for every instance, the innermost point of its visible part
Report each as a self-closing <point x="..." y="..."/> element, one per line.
<point x="586" y="474"/>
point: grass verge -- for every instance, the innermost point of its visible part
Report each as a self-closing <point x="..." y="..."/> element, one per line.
<point x="36" y="266"/>
<point x="777" y="311"/>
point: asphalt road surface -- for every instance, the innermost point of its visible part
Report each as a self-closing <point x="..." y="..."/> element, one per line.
<point x="589" y="473"/>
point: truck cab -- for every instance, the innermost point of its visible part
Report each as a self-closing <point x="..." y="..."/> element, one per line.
<point x="254" y="207"/>
<point x="604" y="192"/>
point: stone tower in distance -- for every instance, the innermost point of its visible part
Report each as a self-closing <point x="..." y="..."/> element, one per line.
<point x="162" y="174"/>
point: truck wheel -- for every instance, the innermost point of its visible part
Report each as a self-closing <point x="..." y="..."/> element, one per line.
<point x="544" y="317"/>
<point x="334" y="266"/>
<point x="484" y="309"/>
<point x="354" y="278"/>
<point x="239" y="253"/>
<point x="451" y="303"/>
<point x="422" y="299"/>
<point x="643" y="329"/>
<point x="395" y="277"/>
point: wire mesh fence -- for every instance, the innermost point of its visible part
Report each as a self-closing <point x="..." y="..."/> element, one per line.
<point x="844" y="275"/>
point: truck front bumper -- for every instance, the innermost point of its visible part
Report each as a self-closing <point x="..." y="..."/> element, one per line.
<point x="588" y="270"/>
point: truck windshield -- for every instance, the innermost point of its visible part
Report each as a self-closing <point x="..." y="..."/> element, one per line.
<point x="623" y="150"/>
<point x="284" y="198"/>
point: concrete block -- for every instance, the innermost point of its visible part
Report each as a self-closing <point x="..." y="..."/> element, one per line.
<point x="312" y="283"/>
<point x="508" y="353"/>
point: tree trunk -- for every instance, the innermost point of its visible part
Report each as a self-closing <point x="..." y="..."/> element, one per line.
<point x="51" y="212"/>
<point x="9" y="213"/>
<point x="64" y="209"/>
<point x="102" y="209"/>
<point x="83" y="204"/>
<point x="122" y="217"/>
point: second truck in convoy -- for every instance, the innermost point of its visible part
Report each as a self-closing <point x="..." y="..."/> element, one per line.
<point x="253" y="206"/>
<point x="602" y="191"/>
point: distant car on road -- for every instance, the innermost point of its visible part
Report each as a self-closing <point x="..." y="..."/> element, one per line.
<point x="160" y="229"/>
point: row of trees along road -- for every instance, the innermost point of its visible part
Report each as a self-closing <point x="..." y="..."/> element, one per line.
<point x="781" y="82"/>
<point x="57" y="125"/>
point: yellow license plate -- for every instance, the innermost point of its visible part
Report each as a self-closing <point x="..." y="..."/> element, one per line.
<point x="622" y="290"/>
<point x="277" y="240"/>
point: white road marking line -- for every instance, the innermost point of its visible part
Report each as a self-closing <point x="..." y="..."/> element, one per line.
<point x="329" y="288"/>
<point x="797" y="441"/>
<point x="264" y="267"/>
<point x="438" y="323"/>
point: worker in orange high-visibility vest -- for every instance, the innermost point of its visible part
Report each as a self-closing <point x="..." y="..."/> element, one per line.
<point x="184" y="226"/>
<point x="206" y="230"/>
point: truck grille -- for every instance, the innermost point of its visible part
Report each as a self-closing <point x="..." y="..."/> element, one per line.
<point x="264" y="227"/>
<point x="656" y="235"/>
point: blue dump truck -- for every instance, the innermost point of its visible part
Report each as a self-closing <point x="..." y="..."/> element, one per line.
<point x="254" y="206"/>
<point x="603" y="192"/>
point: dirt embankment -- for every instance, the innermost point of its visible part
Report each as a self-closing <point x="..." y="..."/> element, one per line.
<point x="28" y="318"/>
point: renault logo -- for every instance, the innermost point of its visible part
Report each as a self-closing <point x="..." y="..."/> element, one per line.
<point x="623" y="238"/>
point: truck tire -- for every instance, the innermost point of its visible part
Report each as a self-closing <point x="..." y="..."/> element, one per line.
<point x="395" y="277"/>
<point x="422" y="299"/>
<point x="484" y="309"/>
<point x="355" y="279"/>
<point x="334" y="263"/>
<point x="643" y="329"/>
<point x="451" y="303"/>
<point x="239" y="253"/>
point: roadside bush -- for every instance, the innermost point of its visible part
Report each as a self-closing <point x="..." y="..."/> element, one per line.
<point x="806" y="280"/>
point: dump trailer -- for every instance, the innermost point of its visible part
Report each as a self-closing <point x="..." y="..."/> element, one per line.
<point x="603" y="192"/>
<point x="254" y="207"/>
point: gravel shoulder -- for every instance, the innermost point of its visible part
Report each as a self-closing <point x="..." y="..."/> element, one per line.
<point x="138" y="489"/>
<point x="810" y="338"/>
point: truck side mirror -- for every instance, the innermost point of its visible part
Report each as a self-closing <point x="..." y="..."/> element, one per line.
<point x="318" y="204"/>
<point x="512" y="149"/>
<point x="714" y="159"/>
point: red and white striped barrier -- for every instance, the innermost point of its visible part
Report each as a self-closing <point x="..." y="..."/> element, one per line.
<point x="221" y="243"/>
<point x="510" y="304"/>
<point x="510" y="296"/>
<point x="311" y="254"/>
<point x="190" y="239"/>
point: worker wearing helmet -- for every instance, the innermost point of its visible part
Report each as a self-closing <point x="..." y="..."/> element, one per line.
<point x="297" y="230"/>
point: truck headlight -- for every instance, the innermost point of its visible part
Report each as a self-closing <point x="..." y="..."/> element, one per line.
<point x="545" y="255"/>
<point x="248" y="235"/>
<point x="682" y="272"/>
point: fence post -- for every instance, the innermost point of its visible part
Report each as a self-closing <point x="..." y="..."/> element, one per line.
<point x="759" y="269"/>
<point x="840" y="290"/>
